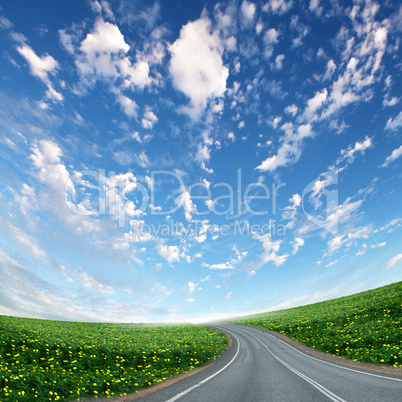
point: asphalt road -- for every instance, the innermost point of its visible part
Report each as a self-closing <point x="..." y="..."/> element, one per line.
<point x="262" y="367"/>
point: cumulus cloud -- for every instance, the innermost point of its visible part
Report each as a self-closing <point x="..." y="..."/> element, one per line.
<point x="315" y="104"/>
<point x="191" y="287"/>
<point x="396" y="153"/>
<point x="104" y="55"/>
<point x="129" y="106"/>
<point x="298" y="242"/>
<point x="278" y="64"/>
<point x="169" y="253"/>
<point x="49" y="170"/>
<point x="41" y="67"/>
<point x="270" y="40"/>
<point x="290" y="149"/>
<point x="225" y="265"/>
<point x="291" y="109"/>
<point x="278" y="6"/>
<point x="362" y="58"/>
<point x="149" y="119"/>
<point x="196" y="65"/>
<point x="271" y="248"/>
<point x="315" y="7"/>
<point x="331" y="67"/>
<point x="247" y="11"/>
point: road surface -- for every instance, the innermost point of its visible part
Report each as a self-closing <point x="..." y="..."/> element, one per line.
<point x="262" y="367"/>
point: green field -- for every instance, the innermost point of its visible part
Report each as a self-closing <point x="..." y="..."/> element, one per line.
<point x="366" y="326"/>
<point x="53" y="360"/>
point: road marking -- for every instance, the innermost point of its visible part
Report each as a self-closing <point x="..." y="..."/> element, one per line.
<point x="208" y="378"/>
<point x="315" y="384"/>
<point x="332" y="364"/>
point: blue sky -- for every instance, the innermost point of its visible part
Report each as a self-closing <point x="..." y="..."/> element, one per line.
<point x="190" y="161"/>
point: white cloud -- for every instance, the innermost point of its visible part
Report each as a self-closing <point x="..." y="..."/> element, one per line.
<point x="291" y="210"/>
<point x="315" y="7"/>
<point x="335" y="243"/>
<point x="342" y="213"/>
<point x="278" y="64"/>
<point x="271" y="248"/>
<point x="128" y="105"/>
<point x="290" y="149"/>
<point x="349" y="153"/>
<point x="276" y="121"/>
<point x="49" y="170"/>
<point x="225" y="265"/>
<point x="278" y="6"/>
<point x="231" y="136"/>
<point x="103" y="50"/>
<point x="396" y="153"/>
<point x="393" y="261"/>
<point x="210" y="171"/>
<point x="383" y="244"/>
<point x="231" y="44"/>
<point x="149" y="119"/>
<point x="228" y="295"/>
<point x="207" y="183"/>
<point x="103" y="55"/>
<point x="362" y="58"/>
<point x="169" y="253"/>
<point x="5" y="23"/>
<point x="191" y="287"/>
<point x="270" y="39"/>
<point x="298" y="242"/>
<point x="196" y="65"/>
<point x="291" y="109"/>
<point x="184" y="200"/>
<point x="332" y="263"/>
<point x="203" y="153"/>
<point x="314" y="104"/>
<point x="248" y="11"/>
<point x="41" y="67"/>
<point x="331" y="67"/>
<point x="28" y="243"/>
<point x="394" y="124"/>
<point x="388" y="102"/>
<point x="89" y="282"/>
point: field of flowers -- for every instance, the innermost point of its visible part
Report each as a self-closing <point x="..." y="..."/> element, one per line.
<point x="366" y="326"/>
<point x="53" y="360"/>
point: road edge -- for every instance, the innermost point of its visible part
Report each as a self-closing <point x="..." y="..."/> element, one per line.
<point x="371" y="367"/>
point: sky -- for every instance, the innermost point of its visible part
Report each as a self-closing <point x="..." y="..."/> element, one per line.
<point x="190" y="161"/>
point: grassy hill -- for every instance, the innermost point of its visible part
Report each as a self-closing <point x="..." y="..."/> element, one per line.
<point x="53" y="360"/>
<point x="365" y="326"/>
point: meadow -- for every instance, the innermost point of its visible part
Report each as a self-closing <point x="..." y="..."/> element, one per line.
<point x="365" y="326"/>
<point x="54" y="360"/>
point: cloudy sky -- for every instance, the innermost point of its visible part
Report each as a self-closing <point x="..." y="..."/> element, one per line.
<point x="191" y="160"/>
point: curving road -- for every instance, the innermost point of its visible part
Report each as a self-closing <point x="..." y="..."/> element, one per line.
<point x="261" y="367"/>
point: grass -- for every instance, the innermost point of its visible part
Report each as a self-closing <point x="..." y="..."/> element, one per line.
<point x="366" y="326"/>
<point x="53" y="360"/>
